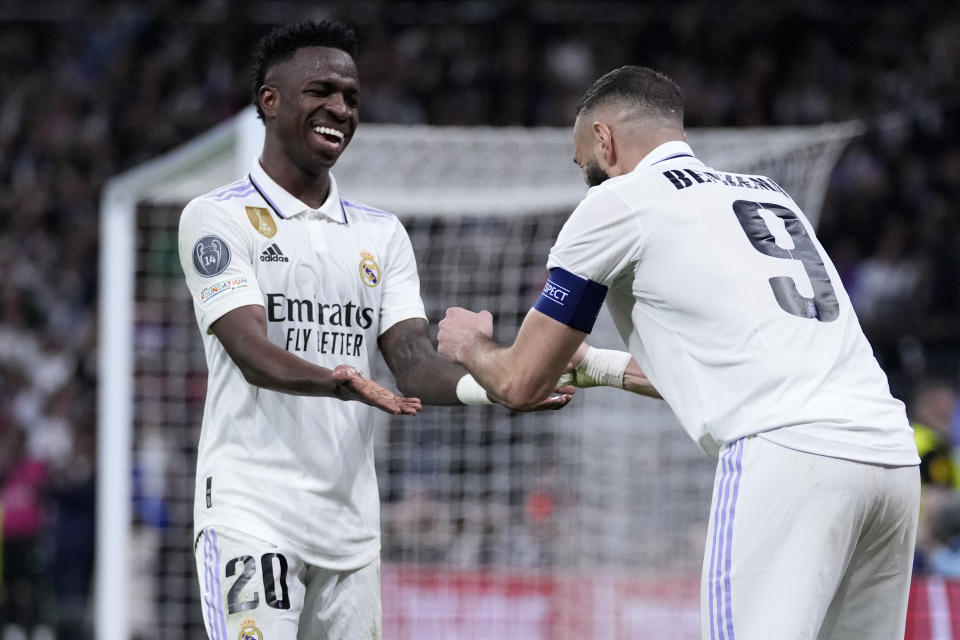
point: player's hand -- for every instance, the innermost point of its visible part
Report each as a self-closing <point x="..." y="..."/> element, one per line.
<point x="353" y="386"/>
<point x="561" y="397"/>
<point x="460" y="330"/>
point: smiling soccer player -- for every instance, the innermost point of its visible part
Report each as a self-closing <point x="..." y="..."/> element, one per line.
<point x="295" y="289"/>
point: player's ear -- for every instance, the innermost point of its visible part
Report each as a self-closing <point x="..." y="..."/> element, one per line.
<point x="606" y="150"/>
<point x="269" y="99"/>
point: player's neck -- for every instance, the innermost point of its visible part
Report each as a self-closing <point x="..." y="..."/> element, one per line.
<point x="640" y="147"/>
<point x="310" y="188"/>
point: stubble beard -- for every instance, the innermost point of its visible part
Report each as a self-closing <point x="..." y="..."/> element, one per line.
<point x="593" y="174"/>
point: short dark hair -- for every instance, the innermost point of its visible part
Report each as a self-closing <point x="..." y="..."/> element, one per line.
<point x="283" y="42"/>
<point x="650" y="90"/>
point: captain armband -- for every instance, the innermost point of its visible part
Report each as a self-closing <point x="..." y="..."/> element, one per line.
<point x="571" y="300"/>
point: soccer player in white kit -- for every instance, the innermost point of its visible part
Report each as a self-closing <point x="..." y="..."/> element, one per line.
<point x="733" y="313"/>
<point x="295" y="287"/>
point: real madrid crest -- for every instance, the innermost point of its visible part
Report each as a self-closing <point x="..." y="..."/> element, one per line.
<point x="249" y="631"/>
<point x="262" y="221"/>
<point x="369" y="269"/>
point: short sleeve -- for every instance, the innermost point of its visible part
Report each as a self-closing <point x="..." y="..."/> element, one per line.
<point x="401" y="284"/>
<point x="599" y="241"/>
<point x="215" y="254"/>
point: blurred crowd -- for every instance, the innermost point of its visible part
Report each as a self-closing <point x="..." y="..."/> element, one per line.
<point x="91" y="88"/>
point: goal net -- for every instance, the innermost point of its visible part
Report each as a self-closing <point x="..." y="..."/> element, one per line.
<point x="583" y="523"/>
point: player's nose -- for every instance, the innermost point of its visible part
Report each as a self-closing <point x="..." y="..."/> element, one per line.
<point x="337" y="106"/>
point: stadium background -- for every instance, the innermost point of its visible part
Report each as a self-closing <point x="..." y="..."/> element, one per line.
<point x="93" y="88"/>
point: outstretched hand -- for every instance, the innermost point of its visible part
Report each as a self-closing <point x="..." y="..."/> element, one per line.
<point x="561" y="397"/>
<point x="353" y="386"/>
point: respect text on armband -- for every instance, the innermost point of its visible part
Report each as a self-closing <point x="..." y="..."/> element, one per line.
<point x="339" y="325"/>
<point x="571" y="299"/>
<point x="555" y="292"/>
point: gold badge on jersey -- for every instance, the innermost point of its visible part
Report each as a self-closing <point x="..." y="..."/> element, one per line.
<point x="262" y="221"/>
<point x="369" y="269"/>
<point x="249" y="631"/>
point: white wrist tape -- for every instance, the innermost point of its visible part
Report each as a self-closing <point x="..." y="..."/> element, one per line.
<point x="600" y="368"/>
<point x="470" y="392"/>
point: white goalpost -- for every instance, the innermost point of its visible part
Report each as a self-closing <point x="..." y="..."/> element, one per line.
<point x="587" y="522"/>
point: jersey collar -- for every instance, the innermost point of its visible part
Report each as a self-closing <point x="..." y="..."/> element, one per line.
<point x="286" y="205"/>
<point x="666" y="151"/>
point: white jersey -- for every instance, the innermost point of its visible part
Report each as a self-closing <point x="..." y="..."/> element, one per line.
<point x="331" y="280"/>
<point x="730" y="305"/>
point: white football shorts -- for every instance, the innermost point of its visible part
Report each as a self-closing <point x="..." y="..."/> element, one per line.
<point x="806" y="546"/>
<point x="252" y="589"/>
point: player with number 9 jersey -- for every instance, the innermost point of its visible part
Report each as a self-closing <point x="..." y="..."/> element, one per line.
<point x="739" y="320"/>
<point x="737" y="316"/>
<point x="731" y="312"/>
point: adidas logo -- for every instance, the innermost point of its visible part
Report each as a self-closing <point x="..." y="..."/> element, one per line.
<point x="273" y="254"/>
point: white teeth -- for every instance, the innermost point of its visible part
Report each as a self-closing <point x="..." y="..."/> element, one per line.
<point x="328" y="131"/>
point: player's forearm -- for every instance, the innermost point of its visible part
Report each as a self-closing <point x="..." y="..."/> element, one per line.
<point x="243" y="334"/>
<point x="419" y="370"/>
<point x="520" y="376"/>
<point x="434" y="380"/>
<point x="507" y="377"/>
<point x="607" y="368"/>
<point x="269" y="367"/>
<point x="635" y="380"/>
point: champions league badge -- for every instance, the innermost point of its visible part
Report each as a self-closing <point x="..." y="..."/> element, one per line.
<point x="262" y="221"/>
<point x="211" y="256"/>
<point x="369" y="269"/>
<point x="249" y="631"/>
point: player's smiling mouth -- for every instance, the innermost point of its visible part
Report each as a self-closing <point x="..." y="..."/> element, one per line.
<point x="330" y="137"/>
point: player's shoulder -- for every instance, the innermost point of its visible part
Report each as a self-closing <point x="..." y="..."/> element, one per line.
<point x="607" y="197"/>
<point x="360" y="211"/>
<point x="226" y="201"/>
<point x="236" y="190"/>
<point x="603" y="210"/>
